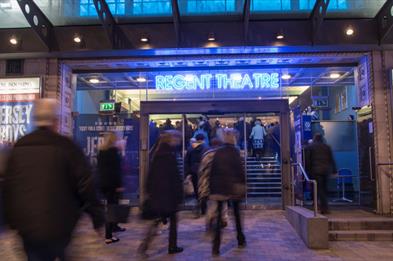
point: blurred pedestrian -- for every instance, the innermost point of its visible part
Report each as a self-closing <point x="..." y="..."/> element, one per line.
<point x="320" y="164"/>
<point x="191" y="165"/>
<point x="204" y="187"/>
<point x="110" y="179"/>
<point x="168" y="125"/>
<point x="164" y="190"/>
<point x="227" y="183"/>
<point x="202" y="130"/>
<point x="48" y="183"/>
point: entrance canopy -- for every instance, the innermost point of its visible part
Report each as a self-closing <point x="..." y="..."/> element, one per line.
<point x="91" y="25"/>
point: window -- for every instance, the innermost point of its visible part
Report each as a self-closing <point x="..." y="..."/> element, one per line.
<point x="211" y="6"/>
<point x="87" y="8"/>
<point x="333" y="4"/>
<point x="151" y="7"/>
<point x="270" y="5"/>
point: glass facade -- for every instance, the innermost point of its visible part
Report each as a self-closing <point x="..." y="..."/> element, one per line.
<point x="11" y="16"/>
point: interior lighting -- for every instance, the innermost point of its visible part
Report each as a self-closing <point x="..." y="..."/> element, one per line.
<point x="280" y="36"/>
<point x="13" y="40"/>
<point x="211" y="37"/>
<point x="94" y="80"/>
<point x="286" y="76"/>
<point x="144" y="39"/>
<point x="334" y="76"/>
<point x="141" y="79"/>
<point x="349" y="31"/>
<point x="77" y="39"/>
<point x="259" y="98"/>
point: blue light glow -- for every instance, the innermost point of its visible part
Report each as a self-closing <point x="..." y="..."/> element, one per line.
<point x="220" y="81"/>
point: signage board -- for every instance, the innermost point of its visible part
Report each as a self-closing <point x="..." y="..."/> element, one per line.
<point x="218" y="81"/>
<point x="107" y="106"/>
<point x="16" y="106"/>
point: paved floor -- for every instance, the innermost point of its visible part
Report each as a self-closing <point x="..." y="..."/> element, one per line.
<point x="269" y="237"/>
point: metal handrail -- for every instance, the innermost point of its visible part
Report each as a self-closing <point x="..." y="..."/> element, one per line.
<point x="314" y="182"/>
<point x="385" y="164"/>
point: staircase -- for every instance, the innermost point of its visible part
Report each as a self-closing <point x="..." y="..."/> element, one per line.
<point x="263" y="178"/>
<point x="361" y="229"/>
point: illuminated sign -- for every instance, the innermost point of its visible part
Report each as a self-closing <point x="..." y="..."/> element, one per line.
<point x="218" y="81"/>
<point x="16" y="106"/>
<point x="107" y="106"/>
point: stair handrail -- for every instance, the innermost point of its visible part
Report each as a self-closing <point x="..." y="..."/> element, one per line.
<point x="306" y="177"/>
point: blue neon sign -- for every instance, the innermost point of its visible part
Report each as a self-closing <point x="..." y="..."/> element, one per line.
<point x="218" y="81"/>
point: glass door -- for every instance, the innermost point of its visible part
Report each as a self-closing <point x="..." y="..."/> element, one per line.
<point x="263" y="159"/>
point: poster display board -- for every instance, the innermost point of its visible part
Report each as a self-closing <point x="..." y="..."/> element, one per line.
<point x="89" y="131"/>
<point x="17" y="96"/>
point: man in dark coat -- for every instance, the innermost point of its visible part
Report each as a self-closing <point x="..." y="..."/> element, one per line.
<point x="227" y="183"/>
<point x="320" y="165"/>
<point x="164" y="190"/>
<point x="48" y="183"/>
<point x="192" y="161"/>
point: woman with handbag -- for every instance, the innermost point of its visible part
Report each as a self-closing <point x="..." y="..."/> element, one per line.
<point x="109" y="172"/>
<point x="164" y="190"/>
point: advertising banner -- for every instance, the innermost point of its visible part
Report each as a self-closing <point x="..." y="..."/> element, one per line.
<point x="89" y="131"/>
<point x="16" y="106"/>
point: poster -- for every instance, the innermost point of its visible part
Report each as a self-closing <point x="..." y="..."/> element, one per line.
<point x="17" y="96"/>
<point x="88" y="133"/>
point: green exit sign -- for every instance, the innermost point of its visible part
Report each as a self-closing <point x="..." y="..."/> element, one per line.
<point x="107" y="106"/>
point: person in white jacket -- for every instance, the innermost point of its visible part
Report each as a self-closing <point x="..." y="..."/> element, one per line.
<point x="257" y="136"/>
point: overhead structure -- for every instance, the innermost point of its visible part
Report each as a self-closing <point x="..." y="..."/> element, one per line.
<point x="39" y="23"/>
<point x="116" y="36"/>
<point x="318" y="14"/>
<point x="246" y="18"/>
<point x="176" y="21"/>
<point x="385" y="21"/>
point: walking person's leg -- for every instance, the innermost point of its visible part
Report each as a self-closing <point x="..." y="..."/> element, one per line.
<point x="241" y="239"/>
<point x="173" y="248"/>
<point x="151" y="232"/>
<point x="111" y="199"/>
<point x="217" y="234"/>
<point x="322" y="193"/>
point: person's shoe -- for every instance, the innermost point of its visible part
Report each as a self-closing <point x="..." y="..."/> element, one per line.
<point x="119" y="229"/>
<point x="111" y="240"/>
<point x="241" y="242"/>
<point x="175" y="250"/>
<point x="142" y="250"/>
<point x="216" y="251"/>
<point x="325" y="212"/>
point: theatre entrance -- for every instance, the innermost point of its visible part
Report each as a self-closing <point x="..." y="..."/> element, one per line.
<point x="266" y="162"/>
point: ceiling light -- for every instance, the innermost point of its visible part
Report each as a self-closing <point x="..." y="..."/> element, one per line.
<point x="280" y="36"/>
<point x="259" y="98"/>
<point x="141" y="79"/>
<point x="211" y="37"/>
<point x="334" y="76"/>
<point x="77" y="39"/>
<point x="144" y="39"/>
<point x="13" y="40"/>
<point x="286" y="76"/>
<point x="236" y="76"/>
<point x="349" y="31"/>
<point x="94" y="80"/>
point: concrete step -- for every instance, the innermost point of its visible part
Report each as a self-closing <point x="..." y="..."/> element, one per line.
<point x="264" y="184"/>
<point x="361" y="235"/>
<point x="353" y="224"/>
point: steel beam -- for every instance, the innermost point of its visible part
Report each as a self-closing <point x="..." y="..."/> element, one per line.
<point x="246" y="18"/>
<point x="39" y="23"/>
<point x="116" y="36"/>
<point x="317" y="16"/>
<point x="385" y="21"/>
<point x="176" y="21"/>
